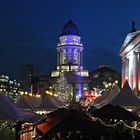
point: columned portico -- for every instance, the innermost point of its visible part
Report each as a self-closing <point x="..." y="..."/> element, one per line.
<point x="123" y="71"/>
<point x="130" y="54"/>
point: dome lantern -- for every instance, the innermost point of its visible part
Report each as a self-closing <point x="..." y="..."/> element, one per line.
<point x="70" y="29"/>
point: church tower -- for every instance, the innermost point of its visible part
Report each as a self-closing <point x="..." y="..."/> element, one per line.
<point x="70" y="49"/>
<point x="70" y="59"/>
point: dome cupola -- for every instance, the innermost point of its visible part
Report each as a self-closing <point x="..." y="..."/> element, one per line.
<point x="70" y="29"/>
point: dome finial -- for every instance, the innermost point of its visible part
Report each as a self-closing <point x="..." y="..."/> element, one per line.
<point x="70" y="29"/>
<point x="133" y="27"/>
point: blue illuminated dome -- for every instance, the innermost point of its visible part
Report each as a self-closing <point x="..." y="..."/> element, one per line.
<point x="70" y="29"/>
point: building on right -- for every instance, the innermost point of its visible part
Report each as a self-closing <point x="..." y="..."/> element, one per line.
<point x="130" y="58"/>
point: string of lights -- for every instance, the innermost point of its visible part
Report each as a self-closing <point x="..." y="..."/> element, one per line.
<point x="117" y="123"/>
<point x="7" y="125"/>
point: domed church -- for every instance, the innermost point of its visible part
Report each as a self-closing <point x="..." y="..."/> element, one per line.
<point x="70" y="61"/>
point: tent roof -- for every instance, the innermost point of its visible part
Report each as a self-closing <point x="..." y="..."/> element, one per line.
<point x="126" y="97"/>
<point x="31" y="117"/>
<point x="28" y="102"/>
<point x="107" y="96"/>
<point x="57" y="101"/>
<point x="114" y="112"/>
<point x="66" y="120"/>
<point x="48" y="103"/>
<point x="10" y="111"/>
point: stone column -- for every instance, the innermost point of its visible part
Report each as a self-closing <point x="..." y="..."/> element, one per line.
<point x="133" y="74"/>
<point x="58" y="61"/>
<point x="134" y="63"/>
<point x="138" y="67"/>
<point x="127" y="76"/>
<point x="123" y="71"/>
<point x="136" y="71"/>
<point x="78" y="57"/>
<point x="74" y="94"/>
<point x="60" y="57"/>
<point x="81" y="58"/>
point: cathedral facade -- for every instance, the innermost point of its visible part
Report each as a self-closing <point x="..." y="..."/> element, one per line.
<point x="130" y="58"/>
<point x="70" y="60"/>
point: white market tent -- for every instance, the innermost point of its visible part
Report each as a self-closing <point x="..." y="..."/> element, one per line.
<point x="57" y="101"/>
<point x="107" y="96"/>
<point x="10" y="111"/>
<point x="33" y="103"/>
<point x="49" y="103"/>
<point x="99" y="99"/>
<point x="126" y="97"/>
<point x="28" y="102"/>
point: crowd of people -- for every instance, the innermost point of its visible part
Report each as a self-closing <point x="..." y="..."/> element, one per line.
<point x="80" y="135"/>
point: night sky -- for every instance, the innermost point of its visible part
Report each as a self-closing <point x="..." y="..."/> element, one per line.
<point x="29" y="31"/>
